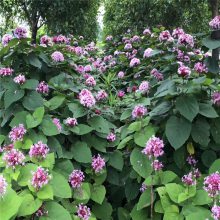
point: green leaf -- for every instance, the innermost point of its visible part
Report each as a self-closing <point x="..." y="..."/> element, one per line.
<point x="30" y="84"/>
<point x="103" y="211"/>
<point x="187" y="106"/>
<point x="10" y="204"/>
<point x="56" y="212"/>
<point x="48" y="162"/>
<point x="116" y="160"/>
<point x="99" y="124"/>
<point x="174" y="190"/>
<point x="48" y="127"/>
<point x="215" y="166"/>
<point x="215" y="130"/>
<point x="139" y="215"/>
<point x="45" y="192"/>
<point x="126" y="114"/>
<point x="12" y="96"/>
<point x="145" y="199"/>
<point x="81" y="152"/>
<point x="161" y="109"/>
<point x="32" y="101"/>
<point x="135" y="126"/>
<point x="208" y="157"/>
<point x="77" y="110"/>
<point x="82" y="129"/>
<point x="141" y="164"/>
<point x="211" y="43"/>
<point x="167" y="177"/>
<point x="34" y="60"/>
<point x="177" y="131"/>
<point x="201" y="198"/>
<point x="123" y="214"/>
<point x="141" y="137"/>
<point x="29" y="205"/>
<point x="55" y="102"/>
<point x="19" y="118"/>
<point x="36" y="119"/>
<point x="98" y="193"/>
<point x="123" y="143"/>
<point x="2" y="138"/>
<point x="207" y="110"/>
<point x="60" y="186"/>
<point x="83" y="193"/>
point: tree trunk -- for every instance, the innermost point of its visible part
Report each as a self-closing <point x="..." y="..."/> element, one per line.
<point x="215" y="34"/>
<point x="34" y="30"/>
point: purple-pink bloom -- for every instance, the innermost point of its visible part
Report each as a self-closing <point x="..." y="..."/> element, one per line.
<point x="128" y="46"/>
<point x="148" y="53"/>
<point x="134" y="62"/>
<point x="71" y="122"/>
<point x="20" y="32"/>
<point x="87" y="68"/>
<point x="191" y="160"/>
<point x="216" y="212"/>
<point x="76" y="178"/>
<point x="212" y="184"/>
<point x="143" y="187"/>
<point x="144" y="87"/>
<point x="46" y="40"/>
<point x="6" y="71"/>
<point x="184" y="71"/>
<point x="109" y="38"/>
<point x="200" y="67"/>
<point x="215" y="23"/>
<point x="111" y="137"/>
<point x="57" y="56"/>
<point x="17" y="133"/>
<point x="121" y="94"/>
<point x="121" y="74"/>
<point x="186" y="40"/>
<point x="3" y="186"/>
<point x="216" y="98"/>
<point x="41" y="212"/>
<point x="42" y="87"/>
<point x="13" y="158"/>
<point x="56" y="121"/>
<point x="159" y="76"/>
<point x="139" y="111"/>
<point x="101" y="95"/>
<point x="86" y="98"/>
<point x="177" y="32"/>
<point x="40" y="178"/>
<point x="165" y="36"/>
<point x="154" y="147"/>
<point x="39" y="150"/>
<point x="147" y="31"/>
<point x="60" y="39"/>
<point x="20" y="79"/>
<point x="90" y="81"/>
<point x="157" y="165"/>
<point x="98" y="163"/>
<point x="189" y="179"/>
<point x="6" y="39"/>
<point x="83" y="212"/>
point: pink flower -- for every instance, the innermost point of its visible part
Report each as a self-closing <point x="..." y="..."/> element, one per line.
<point x="216" y="98"/>
<point x="212" y="184"/>
<point x="41" y="212"/>
<point x="216" y="212"/>
<point x="20" y="32"/>
<point x="98" y="163"/>
<point x="39" y="150"/>
<point x="13" y="158"/>
<point x="144" y="87"/>
<point x="135" y="62"/>
<point x="186" y="40"/>
<point x="90" y="81"/>
<point x="76" y="178"/>
<point x="109" y="38"/>
<point x="139" y="111"/>
<point x="189" y="179"/>
<point x="200" y="67"/>
<point x="154" y="147"/>
<point x="111" y="137"/>
<point x="40" y="178"/>
<point x="79" y="51"/>
<point x="20" y="79"/>
<point x="143" y="187"/>
<point x="128" y="46"/>
<point x="148" y="53"/>
<point x="157" y="165"/>
<point x="147" y="31"/>
<point x="6" y="71"/>
<point x="46" y="40"/>
<point x="6" y="39"/>
<point x="71" y="122"/>
<point x="121" y="94"/>
<point x="121" y="74"/>
<point x="165" y="36"/>
<point x="43" y="88"/>
<point x="184" y="71"/>
<point x="156" y="74"/>
<point x="215" y="23"/>
<point x="191" y="161"/>
<point x="17" y="133"/>
<point x="56" y="121"/>
<point x="87" y="68"/>
<point x="86" y="98"/>
<point x="83" y="212"/>
<point x="3" y="186"/>
<point x="101" y="95"/>
<point x="60" y="39"/>
<point x="57" y="56"/>
<point x="177" y="32"/>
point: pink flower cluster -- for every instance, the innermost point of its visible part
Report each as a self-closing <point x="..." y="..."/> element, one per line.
<point x="111" y="137"/>
<point x="6" y="39"/>
<point x="216" y="98"/>
<point x="157" y="165"/>
<point x="41" y="212"/>
<point x="101" y="95"/>
<point x="13" y="158"/>
<point x="3" y="186"/>
<point x="215" y="23"/>
<point x="39" y="150"/>
<point x="159" y="76"/>
<point x="200" y="67"/>
<point x="139" y="111"/>
<point x="57" y="56"/>
<point x="40" y="178"/>
<point x="86" y="98"/>
<point x="154" y="147"/>
<point x="121" y="94"/>
<point x="46" y="40"/>
<point x="134" y="62"/>
<point x="144" y="87"/>
<point x="6" y="71"/>
<point x="184" y="71"/>
<point x="90" y="81"/>
<point x="148" y="53"/>
<point x="121" y="74"/>
<point x="42" y="88"/>
<point x="189" y="179"/>
<point x="109" y="38"/>
<point x="165" y="36"/>
<point x="191" y="161"/>
<point x="98" y="163"/>
<point x="177" y="32"/>
<point x="71" y="122"/>
<point x="186" y="40"/>
<point x="76" y="178"/>
<point x="147" y="31"/>
<point x="128" y="46"/>
<point x="17" y="133"/>
<point x="143" y="187"/>
<point x="216" y="212"/>
<point x="56" y="121"/>
<point x="20" y="79"/>
<point x="212" y="184"/>
<point x="20" y="32"/>
<point x="83" y="212"/>
<point x="60" y="39"/>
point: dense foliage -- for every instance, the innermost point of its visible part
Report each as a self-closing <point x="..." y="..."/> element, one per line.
<point x="128" y="132"/>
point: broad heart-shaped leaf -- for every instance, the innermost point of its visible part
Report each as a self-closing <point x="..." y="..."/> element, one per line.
<point x="56" y="212"/>
<point x="30" y="84"/>
<point x="187" y="106"/>
<point x="81" y="129"/>
<point x="126" y="114"/>
<point x="29" y="205"/>
<point x="141" y="137"/>
<point x="60" y="186"/>
<point x="98" y="193"/>
<point x="215" y="130"/>
<point x="81" y="152"/>
<point x="12" y="96"/>
<point x="140" y="162"/>
<point x="55" y="102"/>
<point x="177" y="131"/>
<point x="48" y="127"/>
<point x="174" y="190"/>
<point x="211" y="43"/>
<point x="9" y="206"/>
<point x="208" y="157"/>
<point x="139" y="215"/>
<point x="215" y="166"/>
<point x="32" y="101"/>
<point x="201" y="198"/>
<point x="102" y="211"/>
<point x="145" y="199"/>
<point x="99" y="124"/>
<point x="116" y="160"/>
<point x="77" y="110"/>
<point x="207" y="110"/>
<point x="34" y="60"/>
<point x="167" y="177"/>
<point x="46" y="192"/>
<point x="36" y="119"/>
<point x="123" y="143"/>
<point x="83" y="193"/>
<point x="19" y="118"/>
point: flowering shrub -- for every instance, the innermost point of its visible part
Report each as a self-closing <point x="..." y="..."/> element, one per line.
<point x="130" y="132"/>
